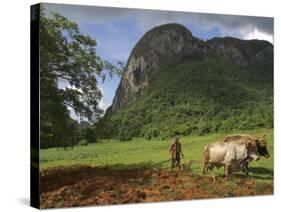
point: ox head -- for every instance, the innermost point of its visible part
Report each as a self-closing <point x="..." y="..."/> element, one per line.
<point x="261" y="145"/>
<point x="252" y="148"/>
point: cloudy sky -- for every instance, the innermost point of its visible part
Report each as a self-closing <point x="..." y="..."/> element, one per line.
<point x="117" y="30"/>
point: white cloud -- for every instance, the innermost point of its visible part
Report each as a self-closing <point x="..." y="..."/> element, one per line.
<point x="245" y="27"/>
<point x="103" y="105"/>
<point x="256" y="34"/>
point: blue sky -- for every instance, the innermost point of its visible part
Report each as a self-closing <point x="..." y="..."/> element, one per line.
<point x="117" y="30"/>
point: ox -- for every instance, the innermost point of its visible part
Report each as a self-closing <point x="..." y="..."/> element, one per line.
<point x="261" y="146"/>
<point x="228" y="154"/>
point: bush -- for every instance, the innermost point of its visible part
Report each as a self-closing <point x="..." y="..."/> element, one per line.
<point x="83" y="142"/>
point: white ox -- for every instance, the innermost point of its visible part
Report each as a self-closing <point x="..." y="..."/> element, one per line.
<point x="261" y="145"/>
<point x="228" y="154"/>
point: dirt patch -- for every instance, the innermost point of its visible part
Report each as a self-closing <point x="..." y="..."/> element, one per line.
<point x="84" y="185"/>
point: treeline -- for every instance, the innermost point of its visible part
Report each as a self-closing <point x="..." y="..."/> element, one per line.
<point x="163" y="123"/>
<point x="75" y="134"/>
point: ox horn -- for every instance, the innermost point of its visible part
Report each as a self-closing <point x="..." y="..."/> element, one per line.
<point x="261" y="137"/>
<point x="251" y="143"/>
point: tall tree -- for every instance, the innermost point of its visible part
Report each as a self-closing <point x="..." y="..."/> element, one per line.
<point x="67" y="56"/>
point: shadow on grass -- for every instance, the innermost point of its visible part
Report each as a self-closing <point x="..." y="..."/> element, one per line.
<point x="261" y="173"/>
<point x="261" y="170"/>
<point x="257" y="173"/>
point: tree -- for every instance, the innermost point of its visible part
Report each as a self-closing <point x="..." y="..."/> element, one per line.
<point x="88" y="133"/>
<point x="67" y="56"/>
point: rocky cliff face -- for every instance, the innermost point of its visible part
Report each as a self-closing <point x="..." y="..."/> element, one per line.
<point x="171" y="43"/>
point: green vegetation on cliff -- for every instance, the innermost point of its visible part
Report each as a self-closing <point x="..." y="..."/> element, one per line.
<point x="200" y="95"/>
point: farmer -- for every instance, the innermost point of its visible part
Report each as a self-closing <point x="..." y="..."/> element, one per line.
<point x="176" y="153"/>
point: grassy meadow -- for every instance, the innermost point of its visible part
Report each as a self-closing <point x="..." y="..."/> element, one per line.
<point x="151" y="154"/>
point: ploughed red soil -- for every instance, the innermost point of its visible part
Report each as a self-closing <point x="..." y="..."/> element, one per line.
<point x="84" y="185"/>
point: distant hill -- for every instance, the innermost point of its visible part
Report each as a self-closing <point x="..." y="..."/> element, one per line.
<point x="176" y="83"/>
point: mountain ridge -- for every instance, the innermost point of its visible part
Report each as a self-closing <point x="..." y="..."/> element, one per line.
<point x="176" y="42"/>
<point x="170" y="73"/>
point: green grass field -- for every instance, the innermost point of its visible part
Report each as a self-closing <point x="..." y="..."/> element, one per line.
<point x="151" y="154"/>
